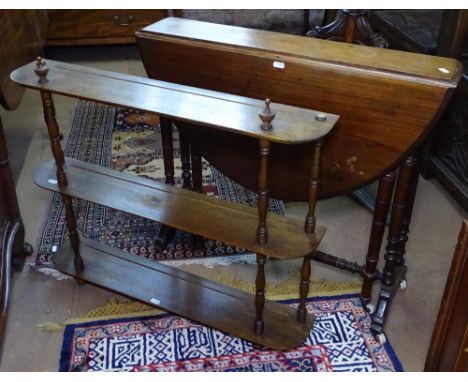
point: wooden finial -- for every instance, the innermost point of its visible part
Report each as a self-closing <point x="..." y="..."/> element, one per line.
<point x="41" y="70"/>
<point x="267" y="116"/>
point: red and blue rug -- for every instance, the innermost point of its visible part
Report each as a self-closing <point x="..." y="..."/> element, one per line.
<point x="341" y="340"/>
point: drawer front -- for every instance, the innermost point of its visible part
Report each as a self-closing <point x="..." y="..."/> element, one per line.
<point x="107" y="24"/>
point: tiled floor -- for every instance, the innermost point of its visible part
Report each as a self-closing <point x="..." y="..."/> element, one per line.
<point x="38" y="298"/>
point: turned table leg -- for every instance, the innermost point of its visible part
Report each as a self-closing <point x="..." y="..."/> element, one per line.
<point x="197" y="170"/>
<point x="55" y="138"/>
<point x="185" y="161"/>
<point x="413" y="164"/>
<point x="401" y="200"/>
<point x="185" y="153"/>
<point x="384" y="197"/>
<point x="166" y="233"/>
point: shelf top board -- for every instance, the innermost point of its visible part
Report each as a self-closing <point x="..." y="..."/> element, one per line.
<point x="236" y="114"/>
<point x="413" y="67"/>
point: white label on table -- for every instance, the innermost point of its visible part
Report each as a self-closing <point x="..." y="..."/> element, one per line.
<point x="155" y="301"/>
<point x="279" y="64"/>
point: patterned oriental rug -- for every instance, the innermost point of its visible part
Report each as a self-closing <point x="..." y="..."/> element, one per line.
<point x="130" y="141"/>
<point x="340" y="341"/>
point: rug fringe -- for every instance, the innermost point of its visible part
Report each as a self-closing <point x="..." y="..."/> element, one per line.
<point x="51" y="326"/>
<point x="215" y="261"/>
<point x="52" y="272"/>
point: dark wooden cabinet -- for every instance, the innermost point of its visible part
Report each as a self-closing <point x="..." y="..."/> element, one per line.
<point x="449" y="346"/>
<point x="22" y="37"/>
<point x="98" y="27"/>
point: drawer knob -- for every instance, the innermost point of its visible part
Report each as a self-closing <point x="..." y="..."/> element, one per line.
<point x="123" y="24"/>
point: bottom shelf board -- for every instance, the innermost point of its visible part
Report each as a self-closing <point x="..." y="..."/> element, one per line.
<point x="227" y="309"/>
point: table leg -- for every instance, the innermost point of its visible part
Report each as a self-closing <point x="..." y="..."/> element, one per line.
<point x="166" y="233"/>
<point x="185" y="160"/>
<point x="391" y="272"/>
<point x="413" y="162"/>
<point x="384" y="197"/>
<point x="197" y="170"/>
<point x="197" y="186"/>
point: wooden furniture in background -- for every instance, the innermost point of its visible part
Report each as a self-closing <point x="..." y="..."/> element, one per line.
<point x="441" y="33"/>
<point x="348" y="25"/>
<point x="275" y="325"/>
<point x="22" y="37"/>
<point x="373" y="90"/>
<point x="328" y="16"/>
<point x="449" y="345"/>
<point x="98" y="27"/>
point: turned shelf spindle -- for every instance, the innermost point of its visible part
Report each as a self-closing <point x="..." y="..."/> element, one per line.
<point x="267" y="116"/>
<point x="41" y="70"/>
<point x="310" y="224"/>
<point x="260" y="294"/>
<point x="310" y="221"/>
<point x="304" y="289"/>
<point x="55" y="137"/>
<point x="262" y="203"/>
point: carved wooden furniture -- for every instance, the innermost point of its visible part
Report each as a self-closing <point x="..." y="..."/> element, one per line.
<point x="387" y="102"/>
<point x="441" y="33"/>
<point x="352" y="26"/>
<point x="68" y="27"/>
<point x="227" y="309"/>
<point x="449" y="345"/>
<point x="22" y="36"/>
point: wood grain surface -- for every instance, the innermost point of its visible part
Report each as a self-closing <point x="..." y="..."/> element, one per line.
<point x="233" y="114"/>
<point x="189" y="211"/>
<point x="387" y="100"/>
<point x="221" y="307"/>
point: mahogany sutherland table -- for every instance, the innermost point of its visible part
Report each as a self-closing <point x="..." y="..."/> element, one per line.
<point x="249" y="316"/>
<point x="387" y="101"/>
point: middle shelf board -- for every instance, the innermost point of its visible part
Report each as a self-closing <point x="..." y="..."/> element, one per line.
<point x="224" y="308"/>
<point x="189" y="211"/>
